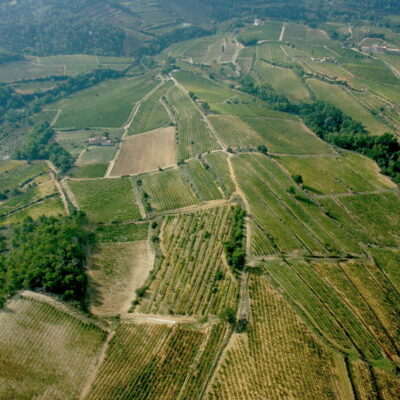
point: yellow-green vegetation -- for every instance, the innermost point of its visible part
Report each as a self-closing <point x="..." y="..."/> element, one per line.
<point x="279" y="135"/>
<point x="278" y="357"/>
<point x="20" y="70"/>
<point x="106" y="233"/>
<point x="150" y="361"/>
<point x="367" y="218"/>
<point x="205" y="89"/>
<point x="193" y="278"/>
<point x="105" y="105"/>
<point x="352" y="323"/>
<point x="218" y="168"/>
<point x="303" y="34"/>
<point x="106" y="200"/>
<point x="167" y="190"/>
<point x="270" y="30"/>
<point x="45" y="352"/>
<point x="88" y="171"/>
<point x="388" y="260"/>
<point x="193" y="135"/>
<point x="152" y="113"/>
<point x="201" y="181"/>
<point x="348" y="103"/>
<point x="272" y="52"/>
<point x="337" y="174"/>
<point x="247" y="110"/>
<point x="283" y="80"/>
<point x="283" y="217"/>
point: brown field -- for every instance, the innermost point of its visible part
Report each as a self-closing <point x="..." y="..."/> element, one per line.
<point x="117" y="270"/>
<point x="146" y="152"/>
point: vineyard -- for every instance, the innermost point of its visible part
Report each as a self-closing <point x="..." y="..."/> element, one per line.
<point x="193" y="135"/>
<point x="351" y="173"/>
<point x="283" y="221"/>
<point x="283" y="80"/>
<point x="168" y="190"/>
<point x="106" y="105"/>
<point x="157" y="362"/>
<point x="193" y="278"/>
<point x="354" y="314"/>
<point x="45" y="352"/>
<point x="202" y="181"/>
<point x="277" y="358"/>
<point x="152" y="114"/>
<point x="272" y="52"/>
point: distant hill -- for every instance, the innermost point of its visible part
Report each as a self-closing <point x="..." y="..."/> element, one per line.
<point x="121" y="27"/>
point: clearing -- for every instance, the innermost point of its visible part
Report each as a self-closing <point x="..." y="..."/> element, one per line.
<point x="146" y="152"/>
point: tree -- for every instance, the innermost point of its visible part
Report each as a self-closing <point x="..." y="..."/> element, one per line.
<point x="298" y="179"/>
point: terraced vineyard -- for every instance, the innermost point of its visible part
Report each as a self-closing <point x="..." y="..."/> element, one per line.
<point x="193" y="278"/>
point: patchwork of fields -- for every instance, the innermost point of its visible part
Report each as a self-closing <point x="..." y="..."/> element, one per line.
<point x="235" y="254"/>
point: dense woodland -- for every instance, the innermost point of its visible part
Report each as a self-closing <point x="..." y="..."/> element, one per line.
<point x="47" y="254"/>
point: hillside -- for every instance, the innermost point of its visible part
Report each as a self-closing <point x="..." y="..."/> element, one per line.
<point x="203" y="211"/>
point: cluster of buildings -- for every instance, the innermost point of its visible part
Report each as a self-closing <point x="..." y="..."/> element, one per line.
<point x="374" y="45"/>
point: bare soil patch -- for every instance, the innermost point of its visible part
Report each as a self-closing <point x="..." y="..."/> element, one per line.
<point x="146" y="152"/>
<point x="116" y="271"/>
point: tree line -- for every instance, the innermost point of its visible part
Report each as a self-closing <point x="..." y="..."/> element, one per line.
<point x="36" y="146"/>
<point x="333" y="126"/>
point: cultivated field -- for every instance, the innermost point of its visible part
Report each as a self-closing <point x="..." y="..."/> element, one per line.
<point x="193" y="134"/>
<point x="146" y="152"/>
<point x="279" y="135"/>
<point x="151" y="361"/>
<point x="168" y="190"/>
<point x="278" y="357"/>
<point x="283" y="80"/>
<point x="116" y="271"/>
<point x="282" y="221"/>
<point x="345" y="101"/>
<point x="118" y="233"/>
<point x="152" y="114"/>
<point x="193" y="278"/>
<point x="107" y="104"/>
<point x="106" y="200"/>
<point x="218" y="168"/>
<point x="334" y="300"/>
<point x="45" y="352"/>
<point x="351" y="173"/>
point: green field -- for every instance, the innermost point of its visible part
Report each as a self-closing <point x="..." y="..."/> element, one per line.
<point x="152" y="114"/>
<point x="193" y="135"/>
<point x="118" y="233"/>
<point x="283" y="80"/>
<point x="279" y="135"/>
<point x="282" y="221"/>
<point x="269" y="31"/>
<point x="106" y="105"/>
<point x="88" y="171"/>
<point x="218" y="168"/>
<point x="192" y="280"/>
<point x="272" y="52"/>
<point x="97" y="155"/>
<point x="368" y="218"/>
<point x="106" y="200"/>
<point x="201" y="181"/>
<point x="345" y="101"/>
<point x="327" y="175"/>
